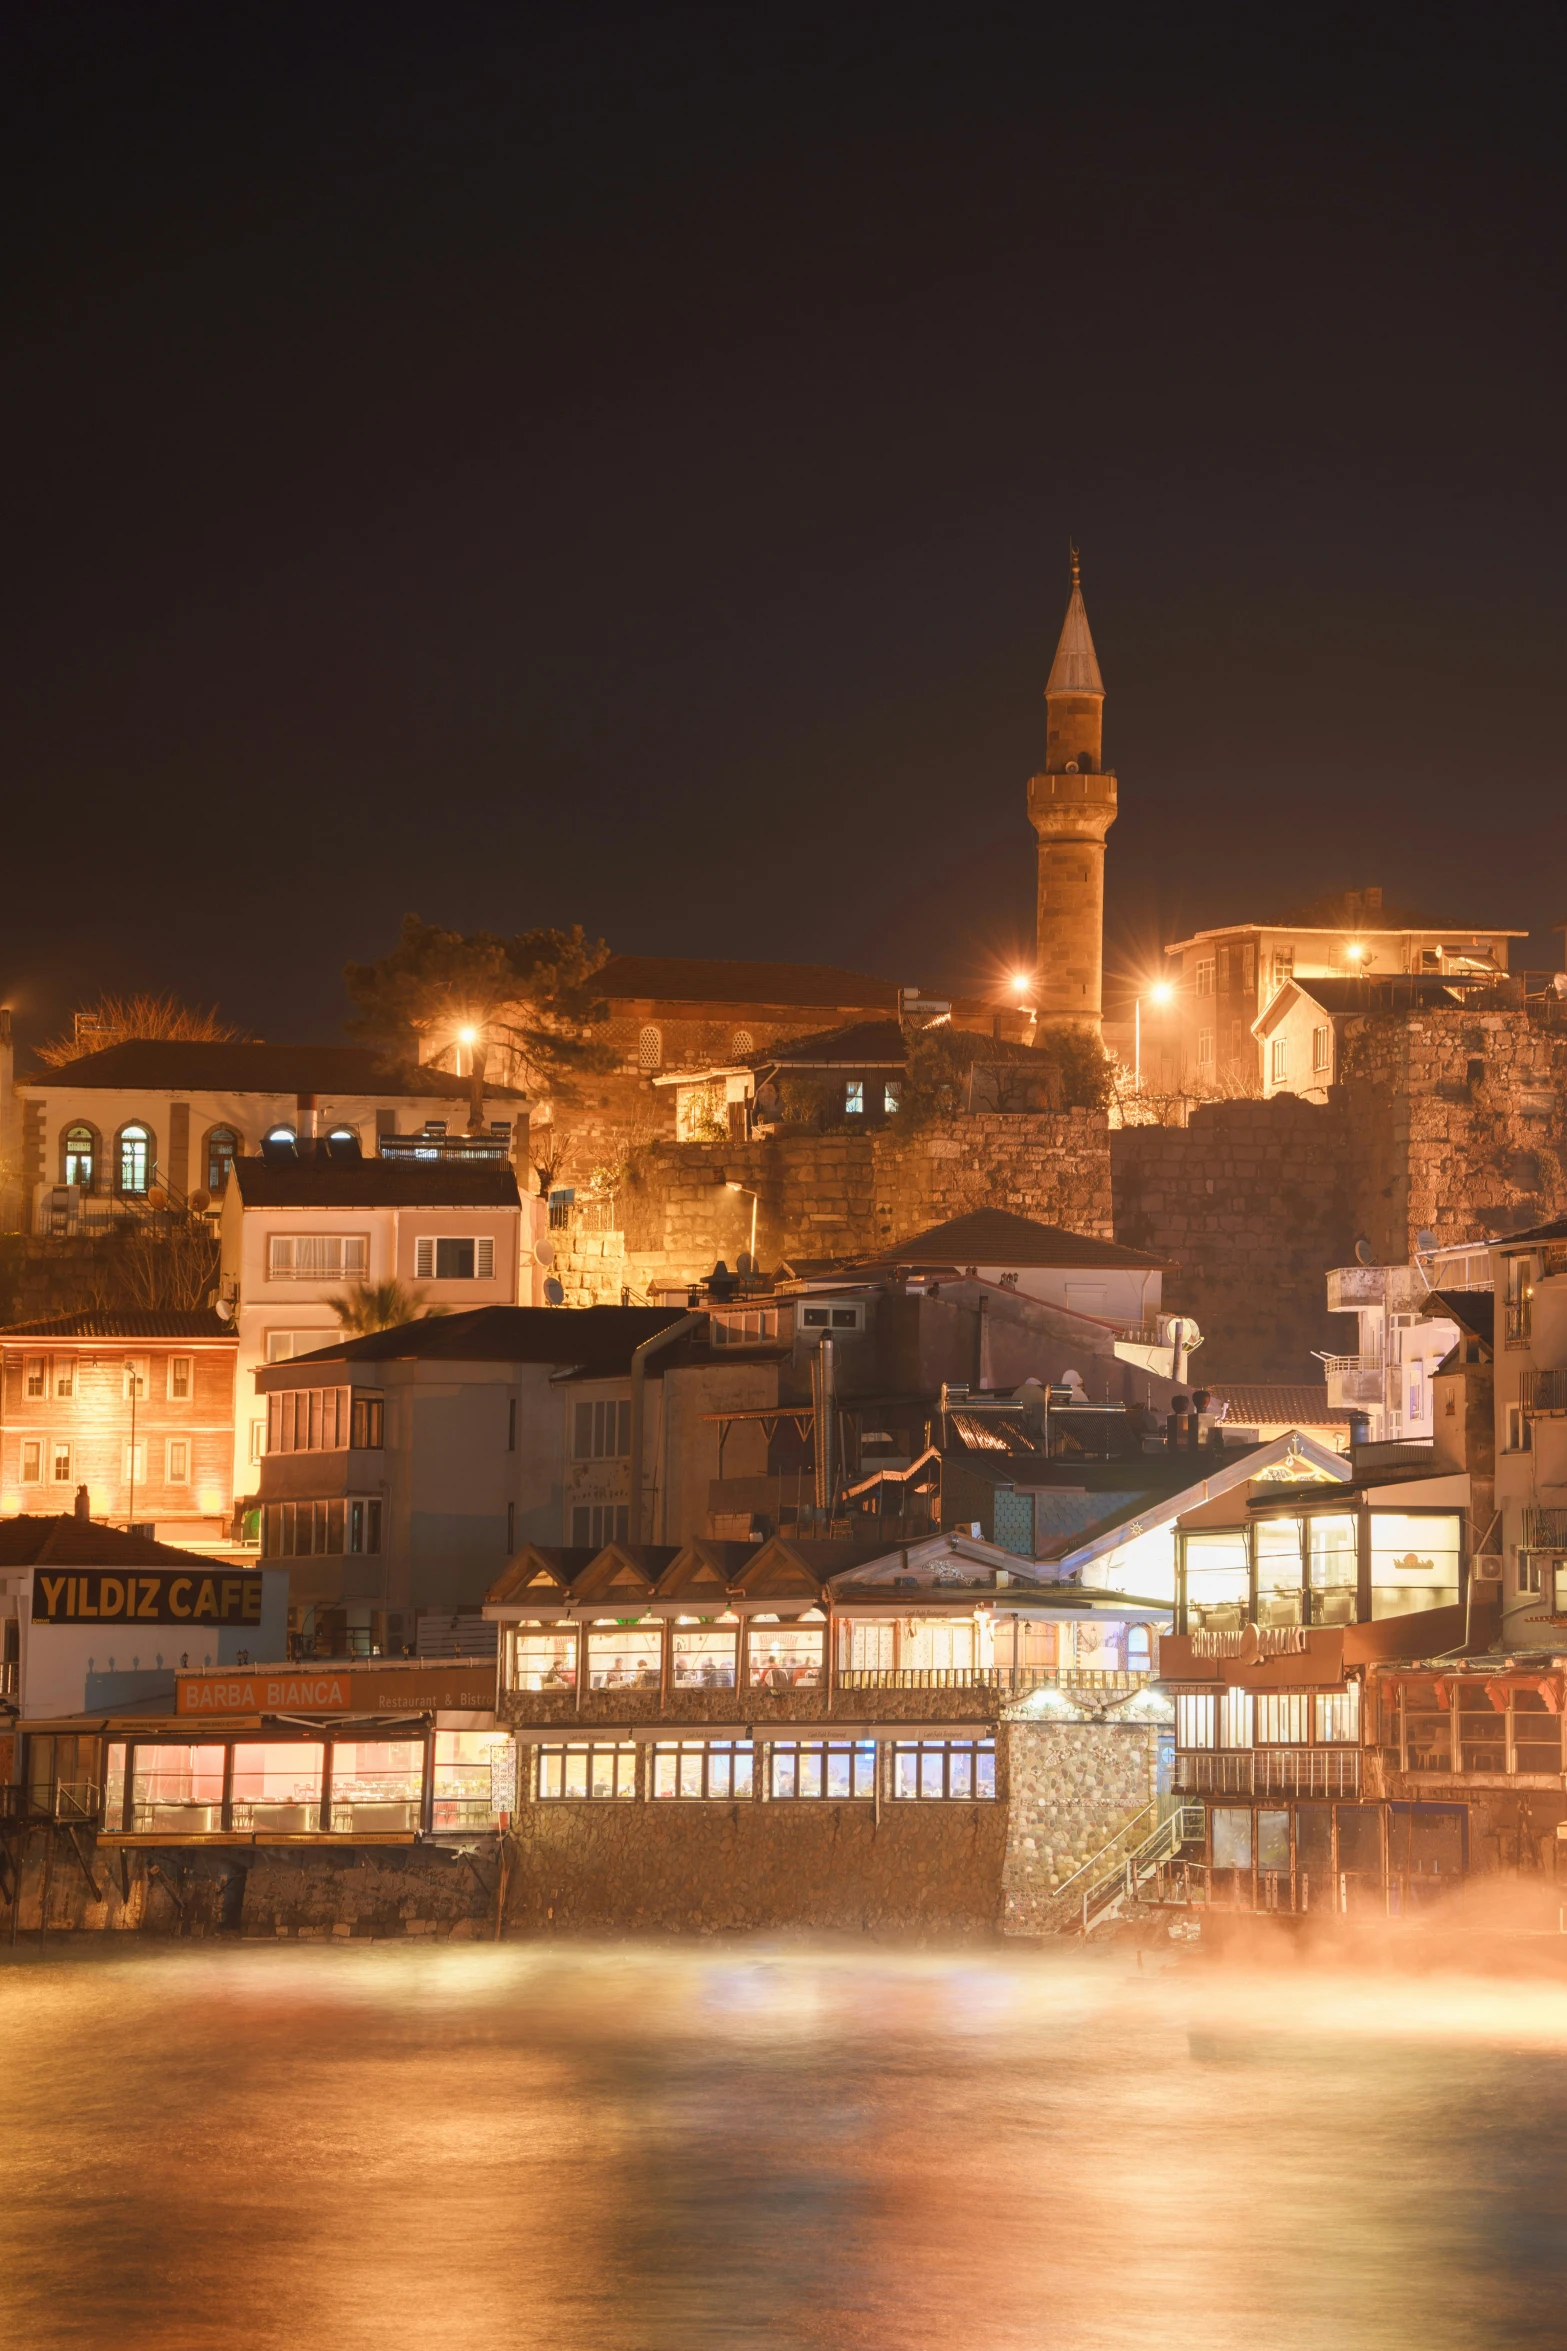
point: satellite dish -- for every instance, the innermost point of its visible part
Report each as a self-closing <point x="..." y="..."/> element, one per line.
<point x="554" y="1292"/>
<point x="1425" y="1240"/>
<point x="544" y="1253"/>
<point x="1362" y="1252"/>
<point x="200" y="1199"/>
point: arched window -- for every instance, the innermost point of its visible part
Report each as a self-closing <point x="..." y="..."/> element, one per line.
<point x="650" y="1049"/>
<point x="80" y="1149"/>
<point x="222" y="1151"/>
<point x="742" y="1042"/>
<point x="135" y="1161"/>
<point x="280" y="1134"/>
<point x="1139" y="1649"/>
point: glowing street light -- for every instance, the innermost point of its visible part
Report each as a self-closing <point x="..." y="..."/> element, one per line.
<point x="1160" y="993"/>
<point x="731" y="1186"/>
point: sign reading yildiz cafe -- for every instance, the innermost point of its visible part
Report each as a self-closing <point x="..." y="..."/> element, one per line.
<point x="155" y="1596"/>
<point x="367" y="1689"/>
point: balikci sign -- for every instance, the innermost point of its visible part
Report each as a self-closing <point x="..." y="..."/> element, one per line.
<point x="158" y="1596"/>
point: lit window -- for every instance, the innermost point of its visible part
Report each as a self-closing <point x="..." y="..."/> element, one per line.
<point x="81" y="1153"/>
<point x="222" y="1151"/>
<point x="60" y="1462"/>
<point x="135" y="1463"/>
<point x="318" y="1257"/>
<point x="32" y="1461"/>
<point x="36" y="1375"/>
<point x="1281" y="1060"/>
<point x="625" y="1657"/>
<point x="178" y="1472"/>
<point x="1284" y="1718"/>
<point x="258" y="1440"/>
<point x="786" y="1656"/>
<point x="1530" y="1578"/>
<point x="587" y="1768"/>
<point x="65" y="1378"/>
<point x="368" y="1423"/>
<point x="135" y="1155"/>
<point x="603" y="1430"/>
<point x="827" y="1768"/>
<point x="280" y="1134"/>
<point x="475" y="1779"/>
<point x="951" y="1768"/>
<point x="742" y="1042"/>
<point x="703" y="1656"/>
<point x="544" y="1660"/>
<point x="179" y="1379"/>
<point x="1338" y="1715"/>
<point x="376" y="1784"/>
<point x="455" y="1260"/>
<point x="650" y="1049"/>
<point x="891" y="1096"/>
<point x="1196" y="1723"/>
<point x="717" y="1769"/>
<point x="1322" y="1047"/>
<point x="1519" y="1435"/>
<point x="854" y="1097"/>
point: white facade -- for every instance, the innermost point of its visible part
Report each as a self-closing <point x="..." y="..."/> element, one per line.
<point x="1531" y="1435"/>
<point x="1400" y="1342"/>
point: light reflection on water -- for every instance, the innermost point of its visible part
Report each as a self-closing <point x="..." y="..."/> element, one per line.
<point x="671" y="2148"/>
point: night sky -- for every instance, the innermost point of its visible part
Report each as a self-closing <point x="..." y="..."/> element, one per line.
<point x="571" y="464"/>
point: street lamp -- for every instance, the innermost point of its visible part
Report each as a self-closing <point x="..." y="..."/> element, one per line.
<point x="1160" y="993"/>
<point x="745" y="1188"/>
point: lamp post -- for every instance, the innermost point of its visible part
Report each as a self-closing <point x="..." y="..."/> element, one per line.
<point x="1160" y="993"/>
<point x="745" y="1189"/>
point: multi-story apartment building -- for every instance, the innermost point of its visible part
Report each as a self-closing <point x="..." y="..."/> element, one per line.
<point x="134" y="1409"/>
<point x="1406" y="1328"/>
<point x="1531" y="1432"/>
<point x="1225" y="978"/>
<point x="309" y="1222"/>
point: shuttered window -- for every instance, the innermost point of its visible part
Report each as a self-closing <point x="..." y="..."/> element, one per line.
<point x="465" y="1259"/>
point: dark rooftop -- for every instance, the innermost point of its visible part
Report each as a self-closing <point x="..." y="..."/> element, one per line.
<point x="196" y="1322"/>
<point x="65" y="1541"/>
<point x="1473" y="1311"/>
<point x="243" y="1067"/>
<point x="597" y="1338"/>
<point x="996" y="1236"/>
<point x="689" y="979"/>
<point x="375" y="1183"/>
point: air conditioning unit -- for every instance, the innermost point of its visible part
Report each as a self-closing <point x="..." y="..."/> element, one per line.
<point x="1486" y="1567"/>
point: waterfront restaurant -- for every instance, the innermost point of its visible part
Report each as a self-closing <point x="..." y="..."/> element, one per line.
<point x="385" y="1753"/>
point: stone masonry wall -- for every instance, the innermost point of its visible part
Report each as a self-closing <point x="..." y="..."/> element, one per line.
<point x="1074" y="1786"/>
<point x="846" y="1195"/>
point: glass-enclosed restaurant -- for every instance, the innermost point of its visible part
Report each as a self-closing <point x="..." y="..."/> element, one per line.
<point x="1339" y="1561"/>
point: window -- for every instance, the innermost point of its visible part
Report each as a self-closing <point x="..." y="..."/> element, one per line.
<point x="1280" y="1061"/>
<point x="376" y="1784"/>
<point x="60" y="1462"/>
<point x="1236" y="1719"/>
<point x="1218" y="1582"/>
<point x="1530" y="1578"/>
<point x="177" y="1788"/>
<point x="1283" y="965"/>
<point x="1414" y="1561"/>
<point x="830" y="1318"/>
<point x="650" y="1049"/>
<point x="544" y="1660"/>
<point x="1520" y="1437"/>
<point x="305" y="1530"/>
<point x="742" y="1042"/>
<point x="367" y="1423"/>
<point x="135" y="1377"/>
<point x="134" y="1463"/>
<point x="753" y="1326"/>
<point x="35" y="1375"/>
<point x="1195" y="1719"/>
<point x="179" y="1379"/>
<point x="944" y="1767"/>
<point x="308" y="1420"/>
<point x="625" y="1657"/>
<point x="1338" y="1715"/>
<point x="718" y="1769"/>
<point x="135" y="1161"/>
<point x="1203" y="976"/>
<point x="1322" y="1048"/>
<point x="853" y="1097"/>
<point x="1139" y="1649"/>
<point x="32" y="1461"/>
<point x="1248" y="967"/>
<point x="258" y="1440"/>
<point x="1224" y="970"/>
<point x="318" y="1257"/>
<point x="587" y="1769"/>
<point x="1284" y="1718"/>
<point x="892" y="1095"/>
<point x="1205" y="1047"/>
<point x="277" y="1784"/>
<point x="475" y="1779"/>
<point x="603" y="1430"/>
<point x="825" y="1768"/>
<point x="455" y="1260"/>
<point x="283" y="1346"/>
<point x="177" y="1468"/>
<point x="704" y="1656"/>
<point x="594" y="1524"/>
<point x="81" y="1156"/>
<point x="786" y="1656"/>
<point x="1333" y="1567"/>
<point x="222" y="1151"/>
<point x="1559" y="1586"/>
<point x="280" y="1134"/>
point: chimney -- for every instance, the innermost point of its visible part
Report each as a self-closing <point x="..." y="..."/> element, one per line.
<point x="83" y="1509"/>
<point x="305" y="1123"/>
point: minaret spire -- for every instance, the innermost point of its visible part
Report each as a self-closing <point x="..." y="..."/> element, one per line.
<point x="1072" y="806"/>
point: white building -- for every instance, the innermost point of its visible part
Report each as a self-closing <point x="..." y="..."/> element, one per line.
<point x="1405" y="1330"/>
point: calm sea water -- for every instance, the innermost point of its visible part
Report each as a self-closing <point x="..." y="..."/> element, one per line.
<point x="665" y="2148"/>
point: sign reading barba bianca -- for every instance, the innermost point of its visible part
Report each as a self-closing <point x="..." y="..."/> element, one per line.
<point x="338" y="1690"/>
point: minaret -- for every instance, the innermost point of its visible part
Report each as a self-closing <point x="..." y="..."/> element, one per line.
<point x="1072" y="807"/>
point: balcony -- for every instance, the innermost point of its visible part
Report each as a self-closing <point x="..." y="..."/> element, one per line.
<point x="1400" y="1288"/>
<point x="1354" y="1379"/>
<point x="1008" y="1680"/>
<point x="1519" y="1322"/>
<point x="1543" y="1394"/>
<point x="1271" y="1771"/>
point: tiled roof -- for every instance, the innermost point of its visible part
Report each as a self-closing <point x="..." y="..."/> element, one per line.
<point x="690" y="979"/>
<point x="197" y="1322"/>
<point x="1472" y="1310"/>
<point x="175" y="1066"/>
<point x="1290" y="1404"/>
<point x="597" y="1337"/>
<point x="996" y="1236"/>
<point x="84" y="1542"/>
<point x="375" y="1183"/>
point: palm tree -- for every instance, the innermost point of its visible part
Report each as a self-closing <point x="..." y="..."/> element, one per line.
<point x="380" y="1306"/>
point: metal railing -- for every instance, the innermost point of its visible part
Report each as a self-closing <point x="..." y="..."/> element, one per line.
<point x="1543" y="1394"/>
<point x="1112" y="1877"/>
<point x="1519" y="1323"/>
<point x="1271" y="1771"/>
<point x="1005" y="1678"/>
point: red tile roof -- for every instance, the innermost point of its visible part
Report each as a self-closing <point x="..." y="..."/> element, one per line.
<point x="995" y="1236"/>
<point x="86" y="1542"/>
